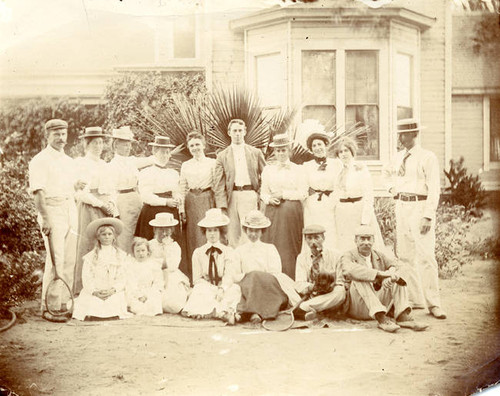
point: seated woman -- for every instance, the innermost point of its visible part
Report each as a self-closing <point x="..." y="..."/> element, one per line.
<point x="214" y="267"/>
<point x="167" y="255"/>
<point x="145" y="281"/>
<point x="265" y="289"/>
<point x="103" y="274"/>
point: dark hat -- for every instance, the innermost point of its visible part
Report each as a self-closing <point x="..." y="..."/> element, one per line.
<point x="313" y="229"/>
<point x="409" y="125"/>
<point x="91" y="132"/>
<point x="162" y="141"/>
<point x="92" y="228"/>
<point x="55" y="124"/>
<point x="281" y="140"/>
<point x="317" y="136"/>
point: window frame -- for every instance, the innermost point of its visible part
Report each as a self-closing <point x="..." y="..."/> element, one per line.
<point x="488" y="163"/>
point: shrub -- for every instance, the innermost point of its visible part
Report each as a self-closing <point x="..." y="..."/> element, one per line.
<point x="22" y="122"/>
<point x="464" y="189"/>
<point x="386" y="217"/>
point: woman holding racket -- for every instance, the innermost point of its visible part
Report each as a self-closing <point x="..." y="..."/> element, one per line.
<point x="103" y="274"/>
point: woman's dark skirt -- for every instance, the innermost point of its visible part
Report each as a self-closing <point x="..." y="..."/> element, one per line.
<point x="261" y="294"/>
<point x="285" y="232"/>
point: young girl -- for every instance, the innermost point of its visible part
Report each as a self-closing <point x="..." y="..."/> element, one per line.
<point x="145" y="281"/>
<point x="167" y="255"/>
<point x="214" y="294"/>
<point x="103" y="274"/>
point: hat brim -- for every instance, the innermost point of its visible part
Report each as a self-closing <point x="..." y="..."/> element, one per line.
<point x="257" y="227"/>
<point x="154" y="223"/>
<point x="274" y="145"/>
<point x="213" y="224"/>
<point x="317" y="136"/>
<point x="92" y="228"/>
<point x="412" y="130"/>
<point x="123" y="138"/>
<point x="91" y="136"/>
<point x="162" y="145"/>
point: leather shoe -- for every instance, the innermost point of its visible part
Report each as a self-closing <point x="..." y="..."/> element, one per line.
<point x="388" y="326"/>
<point x="255" y="319"/>
<point x="438" y="313"/>
<point x="311" y="315"/>
<point x="412" y="324"/>
<point x="56" y="319"/>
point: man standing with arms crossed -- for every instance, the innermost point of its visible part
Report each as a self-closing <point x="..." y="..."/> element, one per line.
<point x="415" y="185"/>
<point x="51" y="180"/>
<point x="237" y="179"/>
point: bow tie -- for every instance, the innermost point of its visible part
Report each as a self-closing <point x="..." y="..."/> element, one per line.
<point x="213" y="249"/>
<point x="321" y="162"/>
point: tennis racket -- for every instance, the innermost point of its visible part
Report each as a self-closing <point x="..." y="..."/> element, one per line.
<point x="58" y="286"/>
<point x="285" y="319"/>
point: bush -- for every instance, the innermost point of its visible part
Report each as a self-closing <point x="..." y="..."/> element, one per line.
<point x="464" y="189"/>
<point x="19" y="281"/>
<point x="22" y="123"/>
<point x="386" y="217"/>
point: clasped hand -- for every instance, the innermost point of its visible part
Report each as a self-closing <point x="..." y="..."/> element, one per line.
<point x="104" y="294"/>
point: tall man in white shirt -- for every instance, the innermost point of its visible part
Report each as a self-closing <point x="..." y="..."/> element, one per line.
<point x="415" y="185"/>
<point x="52" y="182"/>
<point x="237" y="179"/>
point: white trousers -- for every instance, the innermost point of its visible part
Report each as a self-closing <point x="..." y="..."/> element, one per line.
<point x="240" y="204"/>
<point x="417" y="251"/>
<point x="332" y="300"/>
<point x="63" y="217"/>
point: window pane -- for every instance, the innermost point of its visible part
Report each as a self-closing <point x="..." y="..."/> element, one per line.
<point x="404" y="112"/>
<point x="367" y="115"/>
<point x="184" y="37"/>
<point x="361" y="77"/>
<point x="326" y="115"/>
<point x="403" y="87"/>
<point x="270" y="80"/>
<point x="495" y="129"/>
<point x="318" y="77"/>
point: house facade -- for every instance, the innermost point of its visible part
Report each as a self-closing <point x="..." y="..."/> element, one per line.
<point x="336" y="61"/>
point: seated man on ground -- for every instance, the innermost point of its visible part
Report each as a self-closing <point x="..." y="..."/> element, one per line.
<point x="318" y="276"/>
<point x="377" y="289"/>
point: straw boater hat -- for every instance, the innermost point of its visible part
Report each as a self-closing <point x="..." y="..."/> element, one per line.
<point x="214" y="218"/>
<point x="256" y="219"/>
<point x="281" y="140"/>
<point x="409" y="125"/>
<point x="164" y="219"/>
<point x="91" y="132"/>
<point x="123" y="133"/>
<point x="162" y="141"/>
<point x="313" y="229"/>
<point x="92" y="228"/>
<point x="55" y="124"/>
<point x="317" y="136"/>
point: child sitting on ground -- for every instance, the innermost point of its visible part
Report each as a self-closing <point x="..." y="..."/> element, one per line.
<point x="145" y="281"/>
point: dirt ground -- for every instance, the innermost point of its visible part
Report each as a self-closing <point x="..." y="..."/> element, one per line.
<point x="170" y="355"/>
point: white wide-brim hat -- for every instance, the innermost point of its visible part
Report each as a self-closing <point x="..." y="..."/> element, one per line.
<point x="164" y="219"/>
<point x="123" y="133"/>
<point x="93" y="226"/>
<point x="256" y="219"/>
<point x="214" y="218"/>
<point x="409" y="125"/>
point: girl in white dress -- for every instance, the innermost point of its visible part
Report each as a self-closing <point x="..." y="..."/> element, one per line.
<point x="103" y="274"/>
<point x="167" y="255"/>
<point x="214" y="294"/>
<point x="145" y="281"/>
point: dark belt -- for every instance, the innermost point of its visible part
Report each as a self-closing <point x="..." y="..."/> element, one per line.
<point x="351" y="200"/>
<point x="247" y="187"/>
<point x="320" y="193"/>
<point x="166" y="194"/>
<point x="126" y="190"/>
<point x="407" y="197"/>
<point x="199" y="190"/>
<point x="94" y="190"/>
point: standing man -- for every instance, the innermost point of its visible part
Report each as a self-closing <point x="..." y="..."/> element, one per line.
<point x="237" y="179"/>
<point x="414" y="184"/>
<point x="52" y="181"/>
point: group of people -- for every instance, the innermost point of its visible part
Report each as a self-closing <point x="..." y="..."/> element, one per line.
<point x="133" y="235"/>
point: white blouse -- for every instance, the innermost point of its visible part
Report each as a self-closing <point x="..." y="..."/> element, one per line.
<point x="105" y="271"/>
<point x="124" y="171"/>
<point x="95" y="173"/>
<point x="154" y="180"/>
<point x="287" y="180"/>
<point x="258" y="256"/>
<point x="225" y="262"/>
<point x="322" y="180"/>
<point x="197" y="174"/>
<point x="142" y="277"/>
<point x="166" y="254"/>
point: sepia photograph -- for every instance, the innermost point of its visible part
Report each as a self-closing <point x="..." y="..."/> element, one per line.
<point x="249" y="197"/>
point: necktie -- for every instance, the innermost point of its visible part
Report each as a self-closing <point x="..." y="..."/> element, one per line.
<point x="317" y="256"/>
<point x="213" y="275"/>
<point x="321" y="162"/>
<point x="402" y="168"/>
